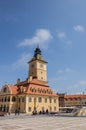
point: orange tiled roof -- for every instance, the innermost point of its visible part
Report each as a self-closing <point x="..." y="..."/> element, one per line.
<point x="40" y="90"/>
<point x="75" y="96"/>
<point x="13" y="89"/>
<point x="35" y="81"/>
<point x="34" y="87"/>
<point x="23" y="83"/>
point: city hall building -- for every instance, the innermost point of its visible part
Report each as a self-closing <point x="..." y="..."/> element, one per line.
<point x="33" y="94"/>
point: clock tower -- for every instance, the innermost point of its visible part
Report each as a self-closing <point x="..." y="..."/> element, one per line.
<point x="37" y="67"/>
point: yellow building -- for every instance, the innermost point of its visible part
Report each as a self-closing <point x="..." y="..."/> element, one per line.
<point x="33" y="94"/>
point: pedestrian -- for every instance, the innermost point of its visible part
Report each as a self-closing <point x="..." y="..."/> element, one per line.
<point x="47" y="111"/>
<point x="15" y="112"/>
<point x="18" y="112"/>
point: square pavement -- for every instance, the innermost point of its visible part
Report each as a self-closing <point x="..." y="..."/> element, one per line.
<point x="42" y="122"/>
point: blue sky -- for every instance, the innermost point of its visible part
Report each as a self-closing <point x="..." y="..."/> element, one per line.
<point x="59" y="27"/>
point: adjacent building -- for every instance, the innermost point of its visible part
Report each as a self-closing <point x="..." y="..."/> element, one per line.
<point x="33" y="94"/>
<point x="77" y="100"/>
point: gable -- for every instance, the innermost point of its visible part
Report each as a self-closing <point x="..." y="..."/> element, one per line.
<point x="5" y="90"/>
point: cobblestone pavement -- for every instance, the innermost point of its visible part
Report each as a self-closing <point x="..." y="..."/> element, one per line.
<point x="42" y="122"/>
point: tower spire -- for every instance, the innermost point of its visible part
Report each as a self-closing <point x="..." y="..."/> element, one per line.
<point x="37" y="54"/>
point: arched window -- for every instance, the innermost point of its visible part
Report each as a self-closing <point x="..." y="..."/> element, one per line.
<point x="8" y="99"/>
<point x="5" y="90"/>
<point x="5" y="99"/>
<point x="2" y="99"/>
<point x="14" y="99"/>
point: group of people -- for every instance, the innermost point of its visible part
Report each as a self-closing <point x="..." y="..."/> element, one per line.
<point x="40" y="112"/>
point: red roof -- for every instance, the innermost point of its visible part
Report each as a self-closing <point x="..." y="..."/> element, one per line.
<point x="37" y="82"/>
<point x="34" y="87"/>
<point x="82" y="96"/>
<point x="37" y="87"/>
<point x="40" y="90"/>
<point x="13" y="89"/>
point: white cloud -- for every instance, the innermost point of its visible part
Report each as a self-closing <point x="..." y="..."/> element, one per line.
<point x="22" y="61"/>
<point x="56" y="79"/>
<point x="79" y="28"/>
<point x="66" y="70"/>
<point x="60" y="71"/>
<point x="41" y="37"/>
<point x="61" y="35"/>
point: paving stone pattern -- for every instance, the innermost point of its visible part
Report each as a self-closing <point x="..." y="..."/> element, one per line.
<point x="41" y="122"/>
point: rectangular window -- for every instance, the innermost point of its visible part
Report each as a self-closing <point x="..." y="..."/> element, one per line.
<point x="39" y="99"/>
<point x="54" y="100"/>
<point x="50" y="100"/>
<point x="23" y="99"/>
<point x="45" y="100"/>
<point x="30" y="99"/>
<point x="35" y="99"/>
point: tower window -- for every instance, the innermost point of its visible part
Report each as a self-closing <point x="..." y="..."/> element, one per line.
<point x="41" y="77"/>
<point x="32" y="65"/>
<point x="41" y="65"/>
